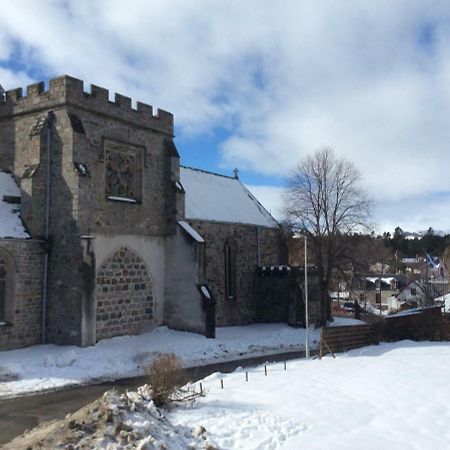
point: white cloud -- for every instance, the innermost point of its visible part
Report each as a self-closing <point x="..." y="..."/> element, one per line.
<point x="371" y="79"/>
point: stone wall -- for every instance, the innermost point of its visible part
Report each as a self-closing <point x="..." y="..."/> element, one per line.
<point x="124" y="295"/>
<point x="242" y="309"/>
<point x="183" y="305"/>
<point x="25" y="327"/>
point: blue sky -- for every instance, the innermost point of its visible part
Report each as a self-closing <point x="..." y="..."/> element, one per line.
<point x="259" y="84"/>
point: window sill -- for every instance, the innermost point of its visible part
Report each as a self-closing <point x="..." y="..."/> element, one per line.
<point x="122" y="199"/>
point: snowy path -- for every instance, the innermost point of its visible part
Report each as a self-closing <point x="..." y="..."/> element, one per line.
<point x="49" y="367"/>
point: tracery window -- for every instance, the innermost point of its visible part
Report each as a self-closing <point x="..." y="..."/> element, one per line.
<point x="123" y="172"/>
<point x="230" y="269"/>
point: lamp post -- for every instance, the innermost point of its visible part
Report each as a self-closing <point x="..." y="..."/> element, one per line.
<point x="306" y="301"/>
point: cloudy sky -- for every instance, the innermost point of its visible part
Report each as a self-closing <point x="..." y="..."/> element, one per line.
<point x="260" y="84"/>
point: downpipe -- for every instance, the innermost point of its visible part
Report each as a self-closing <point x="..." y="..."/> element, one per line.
<point x="50" y="119"/>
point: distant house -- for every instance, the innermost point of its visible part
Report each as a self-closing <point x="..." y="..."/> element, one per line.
<point x="376" y="289"/>
<point x="421" y="268"/>
<point x="413" y="292"/>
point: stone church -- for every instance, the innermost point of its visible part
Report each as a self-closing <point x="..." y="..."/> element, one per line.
<point x="103" y="233"/>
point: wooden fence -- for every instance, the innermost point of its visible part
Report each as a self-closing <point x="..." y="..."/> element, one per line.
<point x="446" y="330"/>
<point x="342" y="339"/>
<point x="427" y="324"/>
<point x="418" y="325"/>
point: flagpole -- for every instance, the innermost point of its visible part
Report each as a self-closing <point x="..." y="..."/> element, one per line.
<point x="306" y="301"/>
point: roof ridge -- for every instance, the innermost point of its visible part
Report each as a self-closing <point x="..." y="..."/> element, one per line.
<point x="209" y="172"/>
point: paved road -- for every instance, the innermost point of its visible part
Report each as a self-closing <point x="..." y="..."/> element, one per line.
<point x="23" y="413"/>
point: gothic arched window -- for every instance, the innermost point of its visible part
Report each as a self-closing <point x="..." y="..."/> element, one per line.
<point x="230" y="269"/>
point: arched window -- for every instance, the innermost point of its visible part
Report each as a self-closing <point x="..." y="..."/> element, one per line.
<point x="230" y="269"/>
<point x="7" y="272"/>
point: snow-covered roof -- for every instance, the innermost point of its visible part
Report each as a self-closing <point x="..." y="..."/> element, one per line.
<point x="10" y="222"/>
<point x="191" y="232"/>
<point x="386" y="280"/>
<point x="214" y="197"/>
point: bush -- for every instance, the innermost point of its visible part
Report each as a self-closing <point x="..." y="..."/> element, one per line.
<point x="168" y="381"/>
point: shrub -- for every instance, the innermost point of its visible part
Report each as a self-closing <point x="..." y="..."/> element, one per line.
<point x="168" y="381"/>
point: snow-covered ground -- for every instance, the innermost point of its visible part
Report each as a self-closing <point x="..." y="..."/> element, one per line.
<point x="391" y="396"/>
<point x="49" y="367"/>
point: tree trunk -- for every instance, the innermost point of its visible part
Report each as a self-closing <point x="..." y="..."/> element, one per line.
<point x="324" y="302"/>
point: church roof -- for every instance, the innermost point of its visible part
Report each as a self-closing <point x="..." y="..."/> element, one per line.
<point x="219" y="198"/>
<point x="11" y="225"/>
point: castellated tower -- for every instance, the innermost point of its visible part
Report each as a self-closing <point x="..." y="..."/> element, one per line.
<point x="110" y="200"/>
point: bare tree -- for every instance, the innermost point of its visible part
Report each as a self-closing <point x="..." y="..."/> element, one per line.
<point x="324" y="199"/>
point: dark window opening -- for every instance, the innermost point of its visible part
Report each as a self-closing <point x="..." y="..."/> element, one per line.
<point x="76" y="123"/>
<point x="81" y="169"/>
<point x="230" y="269"/>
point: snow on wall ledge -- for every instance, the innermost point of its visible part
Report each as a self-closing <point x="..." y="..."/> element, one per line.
<point x="210" y="196"/>
<point x="11" y="225"/>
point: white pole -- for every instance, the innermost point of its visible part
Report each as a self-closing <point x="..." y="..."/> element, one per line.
<point x="306" y="302"/>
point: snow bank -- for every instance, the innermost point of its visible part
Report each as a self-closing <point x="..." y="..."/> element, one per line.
<point x="48" y="367"/>
<point x="113" y="422"/>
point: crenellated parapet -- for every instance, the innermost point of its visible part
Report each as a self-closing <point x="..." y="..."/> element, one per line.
<point x="66" y="90"/>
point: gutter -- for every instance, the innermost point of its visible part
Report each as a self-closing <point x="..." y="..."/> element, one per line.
<point x="50" y="118"/>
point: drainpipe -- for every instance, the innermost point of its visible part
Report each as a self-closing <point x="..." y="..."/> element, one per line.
<point x="258" y="248"/>
<point x="50" y="117"/>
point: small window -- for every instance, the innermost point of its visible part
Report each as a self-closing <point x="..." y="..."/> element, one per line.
<point x="81" y="169"/>
<point x="230" y="269"/>
<point x="413" y="291"/>
<point x="123" y="172"/>
<point x="30" y="171"/>
<point x="76" y="123"/>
